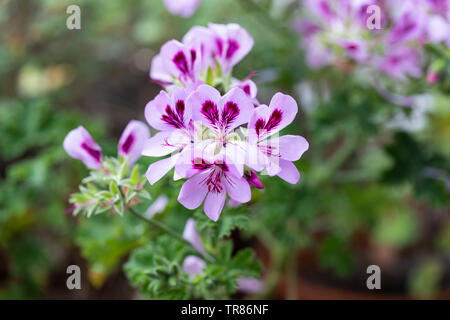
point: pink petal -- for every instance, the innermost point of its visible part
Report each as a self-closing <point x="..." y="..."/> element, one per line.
<point x="80" y="145"/>
<point x="289" y="172"/>
<point x="158" y="169"/>
<point x="179" y="61"/>
<point x="155" y="109"/>
<point x="292" y="147"/>
<point x="158" y="71"/>
<point x="235" y="154"/>
<point x="157" y="206"/>
<point x="288" y="107"/>
<point x="164" y="143"/>
<point x="193" y="265"/>
<point x="204" y="105"/>
<point x="235" y="108"/>
<point x="233" y="44"/>
<point x="193" y="192"/>
<point x="238" y="188"/>
<point x="214" y="204"/>
<point x="255" y="159"/>
<point x="168" y="112"/>
<point x="202" y="40"/>
<point x="132" y="140"/>
<point x="183" y="8"/>
<point x="265" y="121"/>
<point x="190" y="233"/>
<point x="250" y="285"/>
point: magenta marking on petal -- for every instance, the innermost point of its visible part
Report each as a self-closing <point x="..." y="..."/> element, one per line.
<point x="222" y="165"/>
<point x="193" y="56"/>
<point x="229" y="113"/>
<point x="246" y="89"/>
<point x="176" y="120"/>
<point x="274" y="120"/>
<point x="92" y="152"/>
<point x="201" y="164"/>
<point x="219" y="45"/>
<point x="233" y="46"/>
<point x="181" y="62"/>
<point x="210" y="111"/>
<point x="126" y="146"/>
<point x="180" y="109"/>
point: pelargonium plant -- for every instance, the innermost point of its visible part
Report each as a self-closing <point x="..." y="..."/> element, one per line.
<point x="216" y="137"/>
<point x="387" y="38"/>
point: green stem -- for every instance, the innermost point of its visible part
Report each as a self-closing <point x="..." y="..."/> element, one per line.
<point x="161" y="226"/>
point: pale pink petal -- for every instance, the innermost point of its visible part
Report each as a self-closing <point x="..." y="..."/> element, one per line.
<point x="155" y="109"/>
<point x="190" y="233"/>
<point x="158" y="72"/>
<point x="159" y="169"/>
<point x="183" y="8"/>
<point x="193" y="191"/>
<point x="238" y="188"/>
<point x="289" y="172"/>
<point x="132" y="140"/>
<point x="165" y="142"/>
<point x="232" y="44"/>
<point x="235" y="154"/>
<point x="214" y="204"/>
<point x="235" y="109"/>
<point x="202" y="40"/>
<point x="193" y="265"/>
<point x="157" y="206"/>
<point x="80" y="145"/>
<point x="292" y="147"/>
<point x="250" y="285"/>
<point x="255" y="158"/>
<point x="204" y="103"/>
<point x="288" y="108"/>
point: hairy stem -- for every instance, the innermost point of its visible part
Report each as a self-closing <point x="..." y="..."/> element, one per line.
<point x="162" y="227"/>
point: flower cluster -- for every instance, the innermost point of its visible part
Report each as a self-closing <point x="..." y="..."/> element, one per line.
<point x="204" y="129"/>
<point x="334" y="32"/>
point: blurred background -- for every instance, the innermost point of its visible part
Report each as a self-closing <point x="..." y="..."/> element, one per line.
<point x="375" y="184"/>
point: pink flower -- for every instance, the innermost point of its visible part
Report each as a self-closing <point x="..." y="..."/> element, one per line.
<point x="177" y="61"/>
<point x="184" y="8"/>
<point x="168" y="112"/>
<point x="80" y="145"/>
<point x="432" y="77"/>
<point x="400" y="62"/>
<point x="356" y="49"/>
<point x="410" y="24"/>
<point x="222" y="114"/>
<point x="132" y="140"/>
<point x="231" y="44"/>
<point x="277" y="153"/>
<point x="211" y="177"/>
